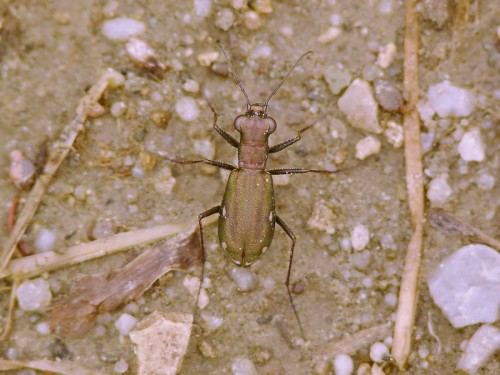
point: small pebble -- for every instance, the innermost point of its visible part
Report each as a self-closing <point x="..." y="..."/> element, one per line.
<point x="202" y="7"/>
<point x="121" y="366"/>
<point x="80" y="192"/>
<point x="485" y="181"/>
<point x="330" y="35"/>
<point x="118" y="109"/>
<point x="263" y="51"/>
<point x="192" y="284"/>
<point x="360" y="107"/>
<point x="187" y="109"/>
<point x="243" y="366"/>
<point x="360" y="237"/>
<point x="34" y="295"/>
<point x="224" y="19"/>
<point x="394" y="134"/>
<point x="439" y="190"/>
<point x="378" y="352"/>
<point x="122" y="29"/>
<point x="43" y="328"/>
<point x="164" y="182"/>
<point x="423" y="351"/>
<point x="322" y="217"/>
<point x="191" y="86"/>
<point x="471" y="146"/>
<point x="386" y="6"/>
<point x="391" y="299"/>
<point x="480" y="348"/>
<point x="367" y="146"/>
<point x="125" y="323"/>
<point x="22" y="170"/>
<point x="287" y="31"/>
<point x="336" y="78"/>
<point x="252" y="20"/>
<point x="450" y="101"/>
<point x="211" y="320"/>
<point x="46" y="240"/>
<point x="343" y="365"/>
<point x="244" y="278"/>
<point x="145" y="57"/>
<point x="386" y="55"/>
<point x="203" y="299"/>
<point x="207" y="58"/>
<point x="388" y="95"/>
<point x="206" y="349"/>
<point x="281" y="180"/>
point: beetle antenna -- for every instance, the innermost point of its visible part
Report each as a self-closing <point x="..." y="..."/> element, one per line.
<point x="284" y="79"/>
<point x="236" y="78"/>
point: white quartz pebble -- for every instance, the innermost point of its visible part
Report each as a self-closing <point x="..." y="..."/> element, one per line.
<point x="34" y="295"/>
<point x="122" y="29"/>
<point x="471" y="146"/>
<point x="466" y="285"/>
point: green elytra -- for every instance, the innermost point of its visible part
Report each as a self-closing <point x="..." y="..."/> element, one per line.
<point x="247" y="215"/>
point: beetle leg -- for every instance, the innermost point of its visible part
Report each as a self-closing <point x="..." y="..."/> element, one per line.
<point x="216" y="163"/>
<point x="285" y="144"/>
<point x="224" y="134"/>
<point x="228" y="137"/>
<point x="304" y="170"/>
<point x="207" y="213"/>
<point x="290" y="234"/>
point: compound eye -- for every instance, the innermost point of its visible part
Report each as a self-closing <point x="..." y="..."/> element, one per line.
<point x="272" y="125"/>
<point x="239" y="121"/>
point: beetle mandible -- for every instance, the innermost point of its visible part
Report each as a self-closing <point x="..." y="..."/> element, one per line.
<point x="247" y="215"/>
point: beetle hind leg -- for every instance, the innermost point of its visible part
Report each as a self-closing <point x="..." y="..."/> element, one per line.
<point x="290" y="234"/>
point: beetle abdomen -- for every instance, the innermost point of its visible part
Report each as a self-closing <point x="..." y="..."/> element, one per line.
<point x="247" y="215"/>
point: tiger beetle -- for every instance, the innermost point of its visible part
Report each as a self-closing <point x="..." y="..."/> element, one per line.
<point x="247" y="214"/>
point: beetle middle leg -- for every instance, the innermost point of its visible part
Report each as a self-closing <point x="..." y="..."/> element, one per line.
<point x="290" y="234"/>
<point x="278" y="171"/>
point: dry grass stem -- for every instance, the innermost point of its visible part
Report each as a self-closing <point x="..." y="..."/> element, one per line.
<point x="352" y="343"/>
<point x="75" y="315"/>
<point x="38" y="264"/>
<point x="88" y="106"/>
<point x="407" y="301"/>
<point x="10" y="314"/>
<point x="448" y="224"/>
<point x="47" y="366"/>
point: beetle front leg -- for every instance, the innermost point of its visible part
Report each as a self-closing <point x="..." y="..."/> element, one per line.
<point x="224" y="134"/>
<point x="290" y="234"/>
<point x="285" y="144"/>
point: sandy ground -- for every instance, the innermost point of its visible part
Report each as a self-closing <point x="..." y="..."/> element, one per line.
<point x="51" y="52"/>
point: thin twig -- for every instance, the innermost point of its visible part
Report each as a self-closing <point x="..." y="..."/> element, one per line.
<point x="88" y="106"/>
<point x="38" y="264"/>
<point x="407" y="302"/>
<point x="63" y="368"/>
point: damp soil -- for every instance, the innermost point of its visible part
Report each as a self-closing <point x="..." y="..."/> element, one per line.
<point x="51" y="52"/>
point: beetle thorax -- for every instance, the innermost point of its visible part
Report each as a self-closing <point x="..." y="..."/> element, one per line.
<point x="252" y="153"/>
